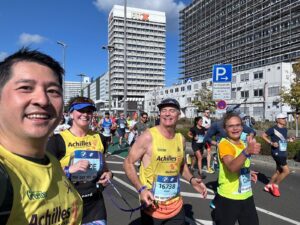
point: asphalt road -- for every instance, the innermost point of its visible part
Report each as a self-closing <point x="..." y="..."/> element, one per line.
<point x="271" y="210"/>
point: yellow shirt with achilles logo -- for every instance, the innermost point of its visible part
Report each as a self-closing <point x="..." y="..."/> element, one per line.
<point x="236" y="186"/>
<point x="42" y="194"/>
<point x="91" y="141"/>
<point x="162" y="174"/>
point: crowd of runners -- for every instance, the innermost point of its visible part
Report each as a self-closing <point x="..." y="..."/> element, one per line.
<point x="53" y="167"/>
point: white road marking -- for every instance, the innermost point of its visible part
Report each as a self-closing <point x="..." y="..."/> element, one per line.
<point x="196" y="195"/>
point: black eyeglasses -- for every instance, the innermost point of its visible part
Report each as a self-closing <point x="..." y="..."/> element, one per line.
<point x="144" y="117"/>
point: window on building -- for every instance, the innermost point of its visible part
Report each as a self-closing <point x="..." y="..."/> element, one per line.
<point x="189" y="87"/>
<point x="182" y="89"/>
<point x="166" y="91"/>
<point x="233" y="80"/>
<point x="195" y="86"/>
<point x="244" y="94"/>
<point x="204" y="85"/>
<point x="171" y="90"/>
<point x="258" y="111"/>
<point x="189" y="100"/>
<point x="233" y="95"/>
<point x="258" y="75"/>
<point x="176" y="89"/>
<point x="244" y="77"/>
<point x="273" y="91"/>
<point x="258" y="93"/>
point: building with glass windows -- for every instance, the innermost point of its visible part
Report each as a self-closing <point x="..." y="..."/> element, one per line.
<point x="146" y="49"/>
<point x="245" y="33"/>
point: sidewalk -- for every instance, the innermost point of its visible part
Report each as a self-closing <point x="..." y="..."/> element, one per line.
<point x="266" y="159"/>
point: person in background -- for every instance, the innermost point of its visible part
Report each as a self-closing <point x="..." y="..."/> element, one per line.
<point x="33" y="187"/>
<point x="81" y="154"/>
<point x="143" y="124"/>
<point x="196" y="133"/>
<point x="161" y="151"/>
<point x="277" y="138"/>
<point x="105" y="125"/>
<point x="122" y="125"/>
<point x="132" y="130"/>
<point x="234" y="200"/>
<point x="207" y="123"/>
<point x="62" y="126"/>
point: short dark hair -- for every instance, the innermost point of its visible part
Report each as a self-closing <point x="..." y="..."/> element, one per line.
<point x="27" y="55"/>
<point x="143" y="114"/>
<point x="228" y="116"/>
<point x="197" y="119"/>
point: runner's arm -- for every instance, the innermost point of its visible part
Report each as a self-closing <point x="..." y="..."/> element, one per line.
<point x="6" y="195"/>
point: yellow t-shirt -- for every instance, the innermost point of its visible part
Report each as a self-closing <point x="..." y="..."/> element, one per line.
<point x="41" y="193"/>
<point x="235" y="186"/>
<point x="91" y="141"/>
<point x="162" y="174"/>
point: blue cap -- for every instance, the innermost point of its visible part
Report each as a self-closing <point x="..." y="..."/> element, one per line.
<point x="78" y="106"/>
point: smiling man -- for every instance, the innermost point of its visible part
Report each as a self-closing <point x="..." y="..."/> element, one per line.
<point x="161" y="151"/>
<point x="34" y="189"/>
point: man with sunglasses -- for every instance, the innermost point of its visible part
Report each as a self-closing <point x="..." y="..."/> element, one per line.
<point x="80" y="151"/>
<point x="161" y="151"/>
<point x="33" y="187"/>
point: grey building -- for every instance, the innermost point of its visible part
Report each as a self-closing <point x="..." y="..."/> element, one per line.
<point x="245" y="33"/>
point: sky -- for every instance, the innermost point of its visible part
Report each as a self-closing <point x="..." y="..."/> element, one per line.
<point x="82" y="26"/>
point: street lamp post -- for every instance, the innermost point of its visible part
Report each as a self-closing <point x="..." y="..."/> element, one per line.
<point x="125" y="57"/>
<point x="81" y="76"/>
<point x="64" y="45"/>
<point x="109" y="48"/>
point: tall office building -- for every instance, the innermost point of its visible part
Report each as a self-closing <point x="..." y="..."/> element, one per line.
<point x="146" y="49"/>
<point x="245" y="33"/>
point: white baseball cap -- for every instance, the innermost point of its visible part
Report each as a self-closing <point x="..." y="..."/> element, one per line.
<point x="281" y="116"/>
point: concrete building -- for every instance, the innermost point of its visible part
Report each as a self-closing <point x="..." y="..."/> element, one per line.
<point x="245" y="33"/>
<point x="257" y="90"/>
<point x="146" y="44"/>
<point x="72" y="88"/>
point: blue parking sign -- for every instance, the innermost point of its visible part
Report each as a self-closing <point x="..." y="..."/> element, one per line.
<point x="222" y="73"/>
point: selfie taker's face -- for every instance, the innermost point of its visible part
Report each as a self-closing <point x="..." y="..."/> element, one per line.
<point x="31" y="101"/>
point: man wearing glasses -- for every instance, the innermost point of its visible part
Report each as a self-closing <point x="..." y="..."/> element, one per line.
<point x="143" y="124"/>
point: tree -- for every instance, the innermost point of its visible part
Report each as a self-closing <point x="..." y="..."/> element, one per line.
<point x="291" y="96"/>
<point x="205" y="100"/>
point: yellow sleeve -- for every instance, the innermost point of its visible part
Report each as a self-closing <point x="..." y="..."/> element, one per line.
<point x="226" y="148"/>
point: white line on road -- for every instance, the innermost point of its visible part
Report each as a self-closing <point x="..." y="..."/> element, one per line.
<point x="278" y="216"/>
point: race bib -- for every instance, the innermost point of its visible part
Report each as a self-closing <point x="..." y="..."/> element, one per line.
<point x="244" y="137"/>
<point x="166" y="187"/>
<point x="200" y="138"/>
<point x="122" y="125"/>
<point x="106" y="131"/>
<point x="244" y="180"/>
<point x="95" y="159"/>
<point x="282" y="146"/>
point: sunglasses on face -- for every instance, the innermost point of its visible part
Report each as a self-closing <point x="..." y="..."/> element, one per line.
<point x="86" y="110"/>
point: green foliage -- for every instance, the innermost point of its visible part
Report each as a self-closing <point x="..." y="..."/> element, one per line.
<point x="205" y="100"/>
<point x="291" y="96"/>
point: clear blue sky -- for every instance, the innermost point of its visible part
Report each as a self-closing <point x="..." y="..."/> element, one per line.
<point x="82" y="25"/>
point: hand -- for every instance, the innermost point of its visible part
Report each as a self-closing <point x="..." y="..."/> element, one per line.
<point x="82" y="166"/>
<point x="253" y="175"/>
<point x="275" y="144"/>
<point x="199" y="186"/>
<point x="104" y="179"/>
<point x="253" y="148"/>
<point x="147" y="198"/>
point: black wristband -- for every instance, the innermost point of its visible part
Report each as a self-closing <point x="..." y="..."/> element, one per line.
<point x="191" y="179"/>
<point x="246" y="155"/>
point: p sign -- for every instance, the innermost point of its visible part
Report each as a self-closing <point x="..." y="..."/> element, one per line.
<point x="222" y="73"/>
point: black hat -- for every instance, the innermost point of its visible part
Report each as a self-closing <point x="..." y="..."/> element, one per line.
<point x="106" y="113"/>
<point x="169" y="102"/>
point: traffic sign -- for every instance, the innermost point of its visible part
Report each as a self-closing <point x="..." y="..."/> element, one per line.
<point x="222" y="73"/>
<point x="221" y="104"/>
<point x="222" y="76"/>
